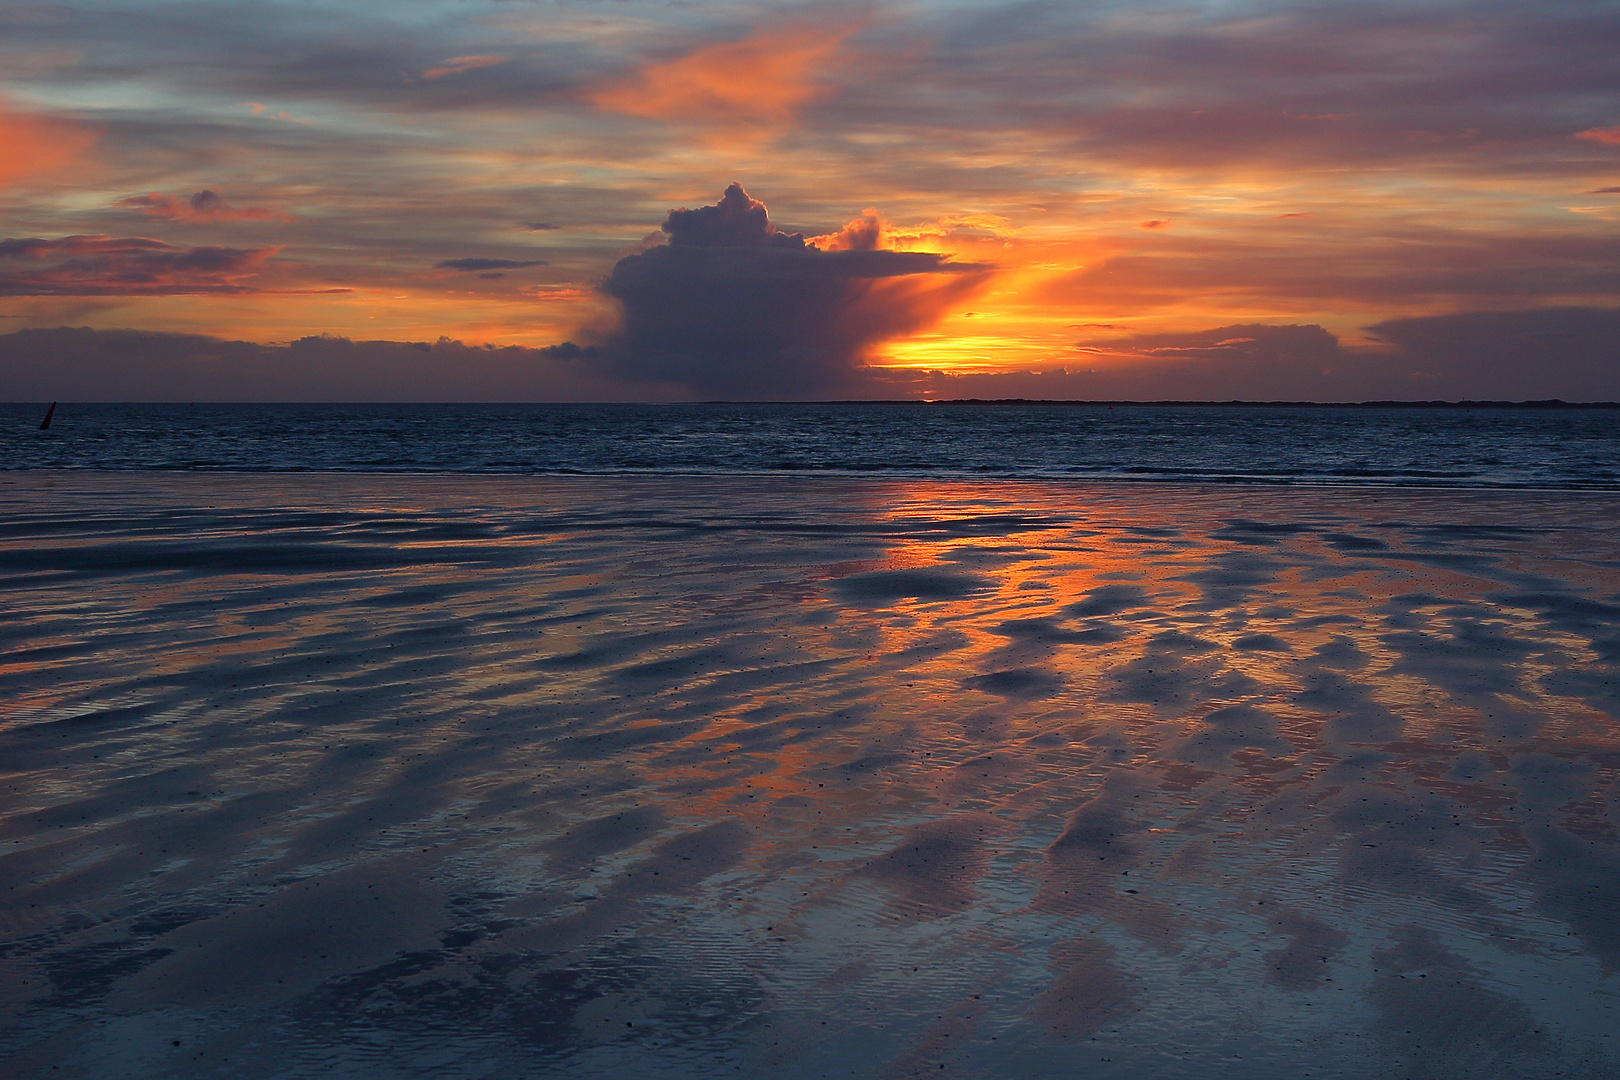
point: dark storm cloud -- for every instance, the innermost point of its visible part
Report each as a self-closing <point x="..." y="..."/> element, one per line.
<point x="122" y="266"/>
<point x="735" y="308"/>
<point x="488" y="264"/>
<point x="127" y="365"/>
<point x="736" y="221"/>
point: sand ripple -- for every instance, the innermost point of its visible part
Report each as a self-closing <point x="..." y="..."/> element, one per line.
<point x="468" y="777"/>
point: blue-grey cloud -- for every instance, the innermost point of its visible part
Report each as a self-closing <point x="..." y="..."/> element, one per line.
<point x="122" y="266"/>
<point x="126" y="365"/>
<point x="488" y="264"/>
<point x="735" y="308"/>
<point x="1537" y="354"/>
<point x="1567" y="352"/>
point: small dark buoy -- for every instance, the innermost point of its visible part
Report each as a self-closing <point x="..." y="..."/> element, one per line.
<point x="45" y="423"/>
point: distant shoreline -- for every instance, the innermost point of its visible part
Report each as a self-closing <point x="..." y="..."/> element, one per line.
<point x="1550" y="403"/>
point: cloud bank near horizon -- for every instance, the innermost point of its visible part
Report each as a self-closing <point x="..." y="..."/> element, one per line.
<point x="1567" y="353"/>
<point x="81" y="364"/>
<point x="1570" y="353"/>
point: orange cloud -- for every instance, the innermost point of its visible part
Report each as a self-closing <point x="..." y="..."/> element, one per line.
<point x="203" y="206"/>
<point x="865" y="233"/>
<point x="761" y="80"/>
<point x="33" y="146"/>
<point x="460" y="64"/>
<point x="1610" y="135"/>
<point x="261" y="109"/>
<point x="950" y="231"/>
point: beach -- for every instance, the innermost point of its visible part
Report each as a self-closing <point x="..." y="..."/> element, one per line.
<point x="607" y="776"/>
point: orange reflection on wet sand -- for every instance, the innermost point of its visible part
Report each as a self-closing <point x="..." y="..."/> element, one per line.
<point x="603" y="776"/>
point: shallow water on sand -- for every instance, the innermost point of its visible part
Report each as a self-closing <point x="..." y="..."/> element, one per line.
<point x="508" y="777"/>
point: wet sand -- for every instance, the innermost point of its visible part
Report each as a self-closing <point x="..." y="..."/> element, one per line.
<point x="505" y="777"/>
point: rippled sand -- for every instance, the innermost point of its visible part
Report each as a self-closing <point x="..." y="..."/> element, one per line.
<point x="478" y="777"/>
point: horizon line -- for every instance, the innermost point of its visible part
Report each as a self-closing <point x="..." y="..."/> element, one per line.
<point x="1386" y="403"/>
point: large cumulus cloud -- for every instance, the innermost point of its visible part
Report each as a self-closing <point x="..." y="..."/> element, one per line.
<point x="733" y="307"/>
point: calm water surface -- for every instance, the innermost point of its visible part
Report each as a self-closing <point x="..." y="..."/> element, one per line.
<point x="1406" y="447"/>
<point x="615" y="777"/>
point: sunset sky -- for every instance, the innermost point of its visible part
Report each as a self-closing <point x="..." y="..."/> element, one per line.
<point x="1202" y="200"/>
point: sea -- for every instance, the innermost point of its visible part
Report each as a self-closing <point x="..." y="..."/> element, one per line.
<point x="1399" y="446"/>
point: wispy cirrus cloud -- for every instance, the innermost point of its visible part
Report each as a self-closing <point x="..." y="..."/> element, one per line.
<point x="259" y="108"/>
<point x="123" y="266"/>
<point x="487" y="264"/>
<point x="202" y="206"/>
<point x="1607" y="135"/>
<point x="1427" y="266"/>
<point x="462" y="64"/>
<point x="1255" y="344"/>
